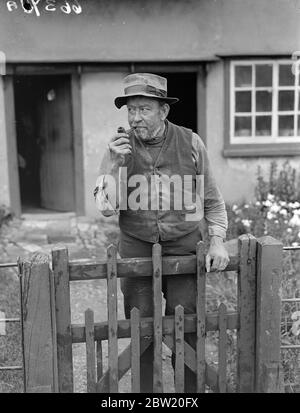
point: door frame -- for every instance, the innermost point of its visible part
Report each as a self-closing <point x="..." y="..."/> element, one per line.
<point x="41" y="69"/>
<point x="199" y="68"/>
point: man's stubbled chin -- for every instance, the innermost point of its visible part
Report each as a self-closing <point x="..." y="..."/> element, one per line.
<point x="141" y="132"/>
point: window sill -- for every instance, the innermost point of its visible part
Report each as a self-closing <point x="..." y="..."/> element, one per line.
<point x="248" y="150"/>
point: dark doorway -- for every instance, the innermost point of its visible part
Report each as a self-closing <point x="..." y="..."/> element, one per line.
<point x="45" y="142"/>
<point x="184" y="87"/>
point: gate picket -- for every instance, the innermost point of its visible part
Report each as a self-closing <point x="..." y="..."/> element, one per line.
<point x="157" y="318"/>
<point x="60" y="269"/>
<point x="90" y="351"/>
<point x="200" y="317"/>
<point x="179" y="349"/>
<point x="247" y="246"/>
<point x="112" y="318"/>
<point x="135" y="350"/>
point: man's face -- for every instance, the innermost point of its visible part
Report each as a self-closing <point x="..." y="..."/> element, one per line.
<point x="146" y="116"/>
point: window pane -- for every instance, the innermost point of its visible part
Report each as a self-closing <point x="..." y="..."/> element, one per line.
<point x="263" y="125"/>
<point x="243" y="76"/>
<point x="286" y="100"/>
<point x="286" y="77"/>
<point x="263" y="101"/>
<point x="286" y="125"/>
<point x="298" y="132"/>
<point x="264" y="75"/>
<point x="243" y="101"/>
<point x="242" y="126"/>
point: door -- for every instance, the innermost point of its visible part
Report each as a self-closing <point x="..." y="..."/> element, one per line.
<point x="56" y="144"/>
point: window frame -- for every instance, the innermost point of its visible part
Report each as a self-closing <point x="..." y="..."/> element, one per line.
<point x="263" y="145"/>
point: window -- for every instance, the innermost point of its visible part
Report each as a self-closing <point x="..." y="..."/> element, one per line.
<point x="264" y="106"/>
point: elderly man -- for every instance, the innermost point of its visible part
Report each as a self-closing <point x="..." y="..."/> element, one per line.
<point x="163" y="154"/>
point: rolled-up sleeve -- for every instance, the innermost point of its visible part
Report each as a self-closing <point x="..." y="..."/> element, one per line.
<point x="214" y="206"/>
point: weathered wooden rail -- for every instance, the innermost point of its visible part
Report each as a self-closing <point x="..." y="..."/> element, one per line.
<point x="49" y="333"/>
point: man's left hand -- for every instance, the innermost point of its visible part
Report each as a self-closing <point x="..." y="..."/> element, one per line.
<point x="218" y="254"/>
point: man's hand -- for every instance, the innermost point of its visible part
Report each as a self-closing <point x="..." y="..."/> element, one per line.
<point x="218" y="254"/>
<point x="119" y="146"/>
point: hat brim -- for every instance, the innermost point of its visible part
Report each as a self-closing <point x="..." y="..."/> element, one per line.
<point x="122" y="100"/>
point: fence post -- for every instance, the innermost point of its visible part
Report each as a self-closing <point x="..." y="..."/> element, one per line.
<point x="37" y="325"/>
<point x="268" y="314"/>
<point x="61" y="294"/>
<point x="246" y="309"/>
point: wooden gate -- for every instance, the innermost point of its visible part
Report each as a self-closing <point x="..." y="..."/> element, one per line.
<point x="49" y="334"/>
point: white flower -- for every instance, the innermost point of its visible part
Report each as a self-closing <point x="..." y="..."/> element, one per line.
<point x="270" y="197"/>
<point x="270" y="215"/>
<point x="282" y="203"/>
<point x="294" y="204"/>
<point x="246" y="206"/>
<point x="257" y="203"/>
<point x="234" y="207"/>
<point x="295" y="221"/>
<point x="246" y="222"/>
<point x="275" y="208"/>
<point x="295" y="244"/>
<point x="283" y="212"/>
<point x="289" y="230"/>
<point x="267" y="203"/>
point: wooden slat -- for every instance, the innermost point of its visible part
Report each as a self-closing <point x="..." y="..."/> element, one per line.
<point x="99" y="360"/>
<point x="112" y="301"/>
<point x="246" y="309"/>
<point x="54" y="331"/>
<point x="90" y="351"/>
<point x="268" y="316"/>
<point x="63" y="319"/>
<point x="222" y="381"/>
<point x="179" y="349"/>
<point x="146" y="326"/>
<point x="157" y="318"/>
<point x="87" y="269"/>
<point x="211" y="375"/>
<point x="124" y="364"/>
<point x="36" y="322"/>
<point x="200" y="317"/>
<point x="135" y="350"/>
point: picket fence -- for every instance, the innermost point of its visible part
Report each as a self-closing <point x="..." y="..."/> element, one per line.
<point x="48" y="333"/>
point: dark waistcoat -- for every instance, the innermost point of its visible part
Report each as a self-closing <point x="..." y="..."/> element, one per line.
<point x="158" y="213"/>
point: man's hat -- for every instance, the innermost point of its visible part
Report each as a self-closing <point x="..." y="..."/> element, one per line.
<point x="144" y="84"/>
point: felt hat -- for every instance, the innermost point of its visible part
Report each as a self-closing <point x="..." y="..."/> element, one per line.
<point x="144" y="84"/>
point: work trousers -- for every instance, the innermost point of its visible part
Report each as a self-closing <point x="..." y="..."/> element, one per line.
<point x="177" y="289"/>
